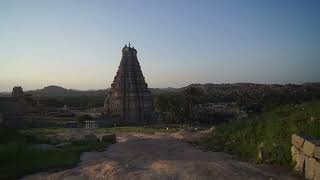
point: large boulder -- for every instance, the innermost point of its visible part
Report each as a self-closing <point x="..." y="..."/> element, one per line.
<point x="297" y="141"/>
<point x="308" y="148"/>
<point x="109" y="138"/>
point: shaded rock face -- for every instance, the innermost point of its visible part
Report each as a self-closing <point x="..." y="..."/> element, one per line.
<point x="305" y="154"/>
<point x="129" y="97"/>
<point x="308" y="148"/>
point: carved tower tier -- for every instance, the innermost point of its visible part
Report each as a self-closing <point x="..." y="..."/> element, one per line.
<point x="129" y="98"/>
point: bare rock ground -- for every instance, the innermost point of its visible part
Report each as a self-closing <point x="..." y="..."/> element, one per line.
<point x="139" y="156"/>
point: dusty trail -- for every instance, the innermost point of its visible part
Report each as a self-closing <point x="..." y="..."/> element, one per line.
<point x="160" y="156"/>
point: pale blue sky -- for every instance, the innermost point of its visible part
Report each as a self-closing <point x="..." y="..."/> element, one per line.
<point x="77" y="44"/>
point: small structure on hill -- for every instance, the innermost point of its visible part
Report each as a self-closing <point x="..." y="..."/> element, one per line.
<point x="12" y="108"/>
<point x="17" y="92"/>
<point x="129" y="97"/>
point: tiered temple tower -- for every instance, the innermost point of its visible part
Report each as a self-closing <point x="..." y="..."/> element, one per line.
<point x="129" y="97"/>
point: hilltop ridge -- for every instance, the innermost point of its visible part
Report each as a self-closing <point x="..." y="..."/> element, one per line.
<point x="207" y="88"/>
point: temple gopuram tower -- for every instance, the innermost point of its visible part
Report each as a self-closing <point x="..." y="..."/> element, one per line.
<point x="129" y="98"/>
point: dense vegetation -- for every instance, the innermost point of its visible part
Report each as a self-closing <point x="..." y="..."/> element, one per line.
<point x="270" y="132"/>
<point x="18" y="158"/>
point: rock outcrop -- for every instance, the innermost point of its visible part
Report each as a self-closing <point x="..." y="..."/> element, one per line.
<point x="305" y="153"/>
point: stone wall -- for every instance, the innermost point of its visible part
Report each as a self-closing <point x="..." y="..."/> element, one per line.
<point x="306" y="155"/>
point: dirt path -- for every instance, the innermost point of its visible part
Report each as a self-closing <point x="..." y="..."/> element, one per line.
<point x="160" y="156"/>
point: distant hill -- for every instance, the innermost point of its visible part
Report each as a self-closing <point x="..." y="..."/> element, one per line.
<point x="5" y="94"/>
<point x="57" y="91"/>
<point x="157" y="91"/>
<point x="208" y="89"/>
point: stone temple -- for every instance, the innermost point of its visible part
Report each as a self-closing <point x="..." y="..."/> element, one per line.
<point x="129" y="100"/>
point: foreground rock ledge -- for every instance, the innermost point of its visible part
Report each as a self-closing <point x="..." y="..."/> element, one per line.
<point x="161" y="156"/>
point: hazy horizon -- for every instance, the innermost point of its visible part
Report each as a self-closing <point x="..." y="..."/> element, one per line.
<point x="77" y="44"/>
